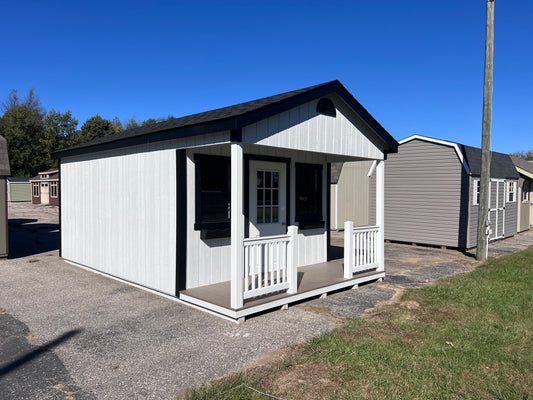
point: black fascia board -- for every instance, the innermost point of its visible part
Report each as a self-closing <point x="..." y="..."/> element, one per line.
<point x="153" y="137"/>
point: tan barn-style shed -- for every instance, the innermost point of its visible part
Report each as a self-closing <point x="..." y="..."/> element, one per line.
<point x="525" y="189"/>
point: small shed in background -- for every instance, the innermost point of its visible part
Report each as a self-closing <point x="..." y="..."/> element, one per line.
<point x="4" y="173"/>
<point x="45" y="188"/>
<point x="525" y="187"/>
<point x="18" y="189"/>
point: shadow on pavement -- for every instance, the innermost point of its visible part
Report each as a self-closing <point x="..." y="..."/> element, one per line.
<point x="28" y="371"/>
<point x="29" y="356"/>
<point x="26" y="237"/>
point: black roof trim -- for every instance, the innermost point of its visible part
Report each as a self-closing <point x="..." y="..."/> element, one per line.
<point x="226" y="119"/>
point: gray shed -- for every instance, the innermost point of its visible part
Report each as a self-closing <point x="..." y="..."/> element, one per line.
<point x="525" y="187"/>
<point x="4" y="173"/>
<point x="18" y="189"/>
<point x="432" y="193"/>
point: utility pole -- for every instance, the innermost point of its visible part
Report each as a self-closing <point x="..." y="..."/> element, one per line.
<point x="484" y="195"/>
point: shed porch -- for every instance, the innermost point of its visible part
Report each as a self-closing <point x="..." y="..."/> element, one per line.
<point x="272" y="280"/>
<point x="313" y="280"/>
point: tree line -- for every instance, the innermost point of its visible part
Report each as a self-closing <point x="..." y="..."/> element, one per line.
<point x="32" y="133"/>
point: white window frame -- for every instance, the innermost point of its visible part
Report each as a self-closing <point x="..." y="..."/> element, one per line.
<point x="513" y="185"/>
<point x="35" y="185"/>
<point x="475" y="192"/>
<point x="53" y="187"/>
<point x="525" y="193"/>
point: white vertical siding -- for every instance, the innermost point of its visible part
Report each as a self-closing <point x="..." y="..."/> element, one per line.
<point x="302" y="128"/>
<point x="118" y="216"/>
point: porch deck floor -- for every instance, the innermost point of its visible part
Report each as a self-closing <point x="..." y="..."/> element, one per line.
<point x="310" y="279"/>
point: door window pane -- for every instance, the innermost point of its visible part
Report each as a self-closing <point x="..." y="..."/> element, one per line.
<point x="267" y="197"/>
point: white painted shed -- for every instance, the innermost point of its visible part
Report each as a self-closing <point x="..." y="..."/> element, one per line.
<point x="227" y="210"/>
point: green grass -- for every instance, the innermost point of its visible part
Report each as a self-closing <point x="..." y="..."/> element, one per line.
<point x="466" y="337"/>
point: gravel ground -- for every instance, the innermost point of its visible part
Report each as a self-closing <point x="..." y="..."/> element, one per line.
<point x="67" y="332"/>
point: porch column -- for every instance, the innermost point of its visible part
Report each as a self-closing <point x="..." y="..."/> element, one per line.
<point x="237" y="225"/>
<point x="380" y="214"/>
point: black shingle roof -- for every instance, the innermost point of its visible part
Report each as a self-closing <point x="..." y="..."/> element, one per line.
<point x="501" y="165"/>
<point x="521" y="163"/>
<point x="228" y="118"/>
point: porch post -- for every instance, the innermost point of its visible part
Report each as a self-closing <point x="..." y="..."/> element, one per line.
<point x="348" y="249"/>
<point x="292" y="267"/>
<point x="380" y="214"/>
<point x="237" y="225"/>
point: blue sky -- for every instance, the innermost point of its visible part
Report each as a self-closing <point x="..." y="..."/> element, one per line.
<point x="416" y="66"/>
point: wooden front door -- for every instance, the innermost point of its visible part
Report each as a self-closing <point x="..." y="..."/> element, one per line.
<point x="45" y="193"/>
<point x="268" y="208"/>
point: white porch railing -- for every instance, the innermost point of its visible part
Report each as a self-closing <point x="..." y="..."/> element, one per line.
<point x="269" y="264"/>
<point x="360" y="248"/>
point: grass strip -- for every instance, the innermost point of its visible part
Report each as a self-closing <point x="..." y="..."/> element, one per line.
<point x="465" y="337"/>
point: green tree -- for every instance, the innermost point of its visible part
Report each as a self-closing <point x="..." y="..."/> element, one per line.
<point x="57" y="128"/>
<point x="150" y="121"/>
<point x="22" y="126"/>
<point x="117" y="125"/>
<point x="96" y="127"/>
<point x="131" y="123"/>
<point x="527" y="155"/>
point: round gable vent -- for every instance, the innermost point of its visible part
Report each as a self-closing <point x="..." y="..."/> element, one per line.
<point x="325" y="106"/>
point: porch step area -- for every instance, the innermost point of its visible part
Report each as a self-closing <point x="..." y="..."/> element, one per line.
<point x="313" y="280"/>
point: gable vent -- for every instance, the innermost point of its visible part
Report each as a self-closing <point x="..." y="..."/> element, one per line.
<point x="325" y="106"/>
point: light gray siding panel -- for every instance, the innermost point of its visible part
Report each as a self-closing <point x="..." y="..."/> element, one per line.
<point x="302" y="128"/>
<point x="425" y="201"/>
<point x="118" y="216"/>
<point x="511" y="213"/>
<point x="523" y="208"/>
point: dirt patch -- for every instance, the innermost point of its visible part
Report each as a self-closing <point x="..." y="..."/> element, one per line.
<point x="306" y="381"/>
<point x="4" y="310"/>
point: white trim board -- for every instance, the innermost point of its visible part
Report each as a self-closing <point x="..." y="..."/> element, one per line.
<point x="443" y="142"/>
<point x="524" y="172"/>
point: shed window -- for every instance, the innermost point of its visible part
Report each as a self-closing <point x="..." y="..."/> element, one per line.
<point x="212" y="193"/>
<point x="475" y="192"/>
<point x="511" y="192"/>
<point x="526" y="187"/>
<point x="308" y="211"/>
<point x="35" y="189"/>
<point x="53" y="189"/>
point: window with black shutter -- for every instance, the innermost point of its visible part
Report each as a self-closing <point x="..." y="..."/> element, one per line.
<point x="213" y="196"/>
<point x="308" y="211"/>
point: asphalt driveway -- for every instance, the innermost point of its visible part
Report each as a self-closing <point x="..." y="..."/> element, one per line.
<point x="70" y="333"/>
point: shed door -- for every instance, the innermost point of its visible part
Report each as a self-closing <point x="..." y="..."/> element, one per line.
<point x="45" y="193"/>
<point x="497" y="208"/>
<point x="268" y="209"/>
